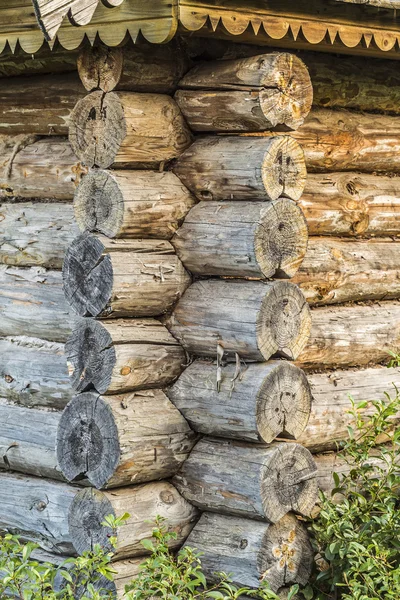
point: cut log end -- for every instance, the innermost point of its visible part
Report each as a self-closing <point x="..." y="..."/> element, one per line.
<point x="100" y="67"/>
<point x="283" y="403"/>
<point x="97" y="129"/>
<point x="283" y="170"/>
<point x="87" y="440"/>
<point x="283" y="322"/>
<point x="86" y="515"/>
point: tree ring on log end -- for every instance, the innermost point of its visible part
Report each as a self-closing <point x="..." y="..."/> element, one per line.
<point x="286" y="554"/>
<point x="86" y="515"/>
<point x="91" y="357"/>
<point x="283" y="169"/>
<point x="87" y="276"/>
<point x="283" y="322"/>
<point x="99" y="204"/>
<point x="283" y="403"/>
<point x="288" y="481"/>
<point x="97" y="128"/>
<point x="288" y="100"/>
<point x="100" y="67"/>
<point x="280" y="241"/>
<point x="87" y="440"/>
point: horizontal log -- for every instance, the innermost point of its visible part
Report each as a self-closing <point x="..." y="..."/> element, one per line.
<point x="127" y="278"/>
<point x="265" y="401"/>
<point x="258" y="482"/>
<point x="34" y="372"/>
<point x="67" y="520"/>
<point x="39" y="105"/>
<point x="357" y="335"/>
<point x="32" y="304"/>
<point x="36" y="234"/>
<point x="239" y="168"/>
<point x="38" y="168"/>
<point x="250" y="551"/>
<point x="243" y="239"/>
<point x="269" y="91"/>
<point x="351" y="204"/>
<point x="255" y="319"/>
<point x="120" y="440"/>
<point x="139" y="67"/>
<point x="338" y="270"/>
<point x="127" y="129"/>
<point x="122" y="355"/>
<point x="333" y="462"/>
<point x="44" y="61"/>
<point x="131" y="204"/>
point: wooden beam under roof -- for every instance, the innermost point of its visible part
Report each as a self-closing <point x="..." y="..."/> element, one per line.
<point x="378" y="3"/>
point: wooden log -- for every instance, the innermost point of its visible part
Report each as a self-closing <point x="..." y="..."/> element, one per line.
<point x="32" y="304"/>
<point x="267" y="400"/>
<point x="258" y="482"/>
<point x="338" y="270"/>
<point x="252" y="551"/>
<point x="127" y="130"/>
<point x="122" y="355"/>
<point x="36" y="234"/>
<point x="139" y="67"/>
<point x="127" y="278"/>
<point x="39" y="105"/>
<point x="30" y="168"/>
<point x="332" y="393"/>
<point x="44" y="61"/>
<point x="67" y="520"/>
<point x="119" y="440"/>
<point x="351" y="204"/>
<point x="269" y="91"/>
<point x="239" y="168"/>
<point x="131" y="203"/>
<point x="211" y="314"/>
<point x="243" y="239"/>
<point x="357" y="335"/>
<point x="34" y="372"/>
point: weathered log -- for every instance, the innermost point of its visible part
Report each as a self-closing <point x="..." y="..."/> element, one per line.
<point x="131" y="203"/>
<point x="269" y="91"/>
<point x="32" y="303"/>
<point x="351" y="204"/>
<point x="44" y="61"/>
<point x="259" y="482"/>
<point x="65" y="519"/>
<point x="120" y="440"/>
<point x="39" y="105"/>
<point x="332" y="393"/>
<point x="32" y="168"/>
<point x="243" y="239"/>
<point x="139" y="67"/>
<point x="34" y="372"/>
<point x="358" y="335"/>
<point x="127" y="278"/>
<point x="127" y="129"/>
<point x="338" y="270"/>
<point x="122" y="355"/>
<point x="36" y="234"/>
<point x="211" y="314"/>
<point x="240" y="168"/>
<point x="252" y="551"/>
<point x="264" y="401"/>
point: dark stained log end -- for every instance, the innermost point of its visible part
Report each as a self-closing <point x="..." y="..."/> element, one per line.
<point x="284" y="170"/>
<point x="97" y="128"/>
<point x="86" y="515"/>
<point x="87" y="276"/>
<point x="100" y="67"/>
<point x="90" y="357"/>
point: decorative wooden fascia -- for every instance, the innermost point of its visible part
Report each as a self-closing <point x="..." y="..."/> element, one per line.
<point x="341" y="27"/>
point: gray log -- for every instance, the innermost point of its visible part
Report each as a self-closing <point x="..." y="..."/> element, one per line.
<point x="265" y="401"/>
<point x="120" y="440"/>
<point x="36" y="234"/>
<point x="258" y="482"/>
<point x="243" y="239"/>
<point x="252" y="551"/>
<point x="128" y="278"/>
<point x="122" y="355"/>
<point x="257" y="320"/>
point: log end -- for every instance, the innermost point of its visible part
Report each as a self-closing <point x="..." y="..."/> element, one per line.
<point x="100" y="67"/>
<point x="284" y="170"/>
<point x="86" y="515"/>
